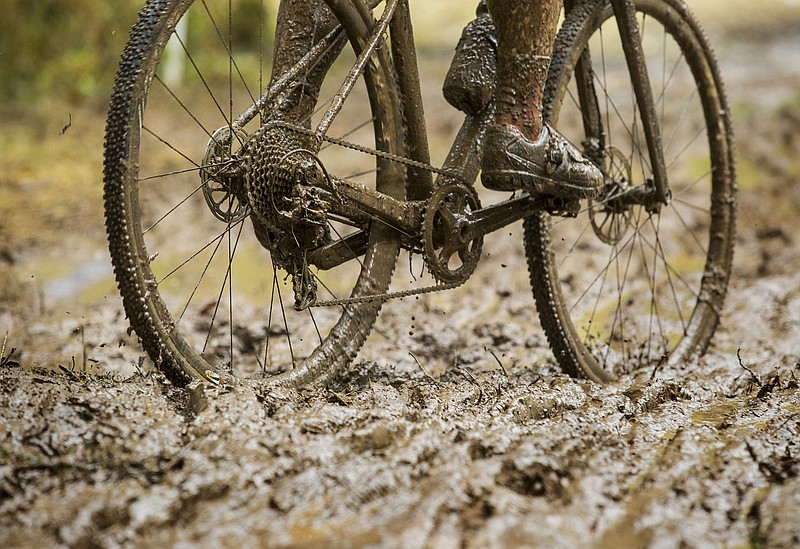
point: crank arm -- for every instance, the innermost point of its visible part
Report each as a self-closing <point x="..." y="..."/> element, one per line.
<point x="487" y="220"/>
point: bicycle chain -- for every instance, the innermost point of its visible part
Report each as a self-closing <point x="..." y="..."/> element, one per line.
<point x="393" y="158"/>
<point x="373" y="152"/>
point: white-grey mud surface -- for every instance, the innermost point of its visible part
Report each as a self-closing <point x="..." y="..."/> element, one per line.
<point x="463" y="454"/>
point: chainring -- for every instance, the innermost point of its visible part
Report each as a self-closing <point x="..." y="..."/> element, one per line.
<point x="450" y="255"/>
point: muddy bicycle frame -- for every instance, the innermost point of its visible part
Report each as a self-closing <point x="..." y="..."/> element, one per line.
<point x="464" y="156"/>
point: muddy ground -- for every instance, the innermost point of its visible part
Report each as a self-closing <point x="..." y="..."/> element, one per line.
<point x="96" y="449"/>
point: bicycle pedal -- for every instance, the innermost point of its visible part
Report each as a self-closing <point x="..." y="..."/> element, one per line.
<point x="562" y="207"/>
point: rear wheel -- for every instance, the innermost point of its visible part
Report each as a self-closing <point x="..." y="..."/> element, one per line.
<point x="202" y="276"/>
<point x="625" y="286"/>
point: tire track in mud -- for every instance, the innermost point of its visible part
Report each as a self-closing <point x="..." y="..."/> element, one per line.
<point x="401" y="460"/>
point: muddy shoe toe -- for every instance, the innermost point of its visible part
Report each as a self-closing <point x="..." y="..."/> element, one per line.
<point x="548" y="165"/>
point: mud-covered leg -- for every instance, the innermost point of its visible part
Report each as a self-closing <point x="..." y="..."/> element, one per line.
<point x="525" y="33"/>
<point x="521" y="152"/>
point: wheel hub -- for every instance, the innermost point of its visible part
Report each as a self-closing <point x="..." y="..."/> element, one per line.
<point x="222" y="186"/>
<point x="610" y="216"/>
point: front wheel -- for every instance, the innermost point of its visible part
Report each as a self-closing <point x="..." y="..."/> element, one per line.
<point x="626" y="285"/>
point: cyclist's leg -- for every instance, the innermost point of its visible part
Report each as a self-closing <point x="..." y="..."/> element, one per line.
<point x="525" y="33"/>
<point x="521" y="152"/>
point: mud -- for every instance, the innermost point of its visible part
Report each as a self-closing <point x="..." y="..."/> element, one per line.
<point x="400" y="459"/>
<point x="452" y="434"/>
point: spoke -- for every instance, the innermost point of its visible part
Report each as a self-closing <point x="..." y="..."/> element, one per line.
<point x="202" y="79"/>
<point x="699" y="133"/>
<point x="349" y="133"/>
<point x="200" y="280"/>
<point x="611" y="259"/>
<point x="686" y="106"/>
<point x="636" y="150"/>
<point x="343" y="221"/>
<point x="230" y="67"/>
<point x="688" y="287"/>
<point x="171" y="210"/>
<point x="261" y="17"/>
<point x="576" y="104"/>
<point x="269" y="318"/>
<point x="349" y="249"/>
<point x="331" y="41"/>
<point x="229" y="46"/>
<point x="653" y="303"/>
<point x="697" y="241"/>
<point x="609" y="135"/>
<point x="225" y="281"/>
<point x="691" y="185"/>
<point x="659" y="102"/>
<point x="170" y="146"/>
<point x="285" y="321"/>
<point x="314" y="321"/>
<point x="358" y="69"/>
<point x="600" y="274"/>
<point x="691" y="206"/>
<point x="186" y="170"/>
<point x="571" y="249"/>
<point x="362" y="174"/>
<point x="183" y="105"/>
<point x="613" y="107"/>
<point x="333" y="295"/>
<point x="619" y="314"/>
<point x="588" y="207"/>
<point x="231" y="251"/>
<point x="663" y="255"/>
<point x="198" y="252"/>
<point x="673" y="72"/>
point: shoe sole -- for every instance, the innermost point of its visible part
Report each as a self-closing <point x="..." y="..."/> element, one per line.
<point x="513" y="180"/>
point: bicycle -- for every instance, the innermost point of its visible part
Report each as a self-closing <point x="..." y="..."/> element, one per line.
<point x="235" y="172"/>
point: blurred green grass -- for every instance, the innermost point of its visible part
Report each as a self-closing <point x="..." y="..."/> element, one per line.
<point x="70" y="48"/>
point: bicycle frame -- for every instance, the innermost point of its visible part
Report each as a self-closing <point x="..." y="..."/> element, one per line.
<point x="464" y="156"/>
<point x="461" y="157"/>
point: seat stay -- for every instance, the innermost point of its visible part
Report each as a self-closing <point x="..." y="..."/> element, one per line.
<point x="335" y="38"/>
<point x="367" y="49"/>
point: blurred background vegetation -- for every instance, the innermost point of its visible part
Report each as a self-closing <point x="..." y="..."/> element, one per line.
<point x="57" y="65"/>
<point x="71" y="47"/>
<point x="61" y="46"/>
